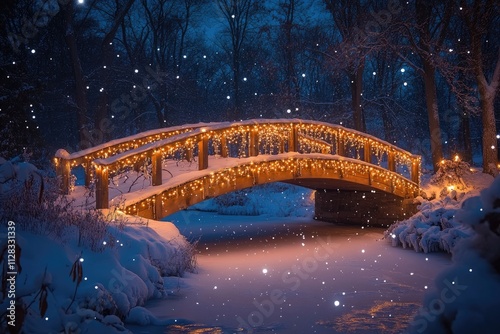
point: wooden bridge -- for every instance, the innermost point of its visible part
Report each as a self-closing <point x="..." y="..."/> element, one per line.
<point x="344" y="166"/>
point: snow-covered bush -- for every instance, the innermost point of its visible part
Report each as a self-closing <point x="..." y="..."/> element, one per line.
<point x="33" y="200"/>
<point x="466" y="297"/>
<point x="435" y="227"/>
<point x="79" y="270"/>
<point x="452" y="175"/>
<point x="277" y="199"/>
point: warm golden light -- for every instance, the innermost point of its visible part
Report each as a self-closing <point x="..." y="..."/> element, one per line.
<point x="265" y="138"/>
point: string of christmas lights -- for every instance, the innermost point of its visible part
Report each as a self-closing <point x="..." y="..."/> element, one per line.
<point x="241" y="140"/>
<point x="250" y="174"/>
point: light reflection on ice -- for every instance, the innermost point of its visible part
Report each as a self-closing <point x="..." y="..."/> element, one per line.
<point x="330" y="286"/>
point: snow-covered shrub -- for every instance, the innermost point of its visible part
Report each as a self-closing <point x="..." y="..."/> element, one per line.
<point x="466" y="297"/>
<point x="451" y="175"/>
<point x="277" y="199"/>
<point x="433" y="228"/>
<point x="32" y="199"/>
<point x="118" y="266"/>
<point x="180" y="260"/>
<point x="234" y="203"/>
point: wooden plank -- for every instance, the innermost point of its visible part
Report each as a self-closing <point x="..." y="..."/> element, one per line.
<point x="415" y="172"/>
<point x="340" y="146"/>
<point x="158" y="209"/>
<point x="367" y="152"/>
<point x="391" y="162"/>
<point x="63" y="171"/>
<point x="223" y="147"/>
<point x="156" y="170"/>
<point x="253" y="143"/>
<point x="203" y="153"/>
<point x="102" y="190"/>
<point x="293" y="140"/>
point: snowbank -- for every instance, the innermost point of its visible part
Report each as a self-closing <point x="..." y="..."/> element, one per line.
<point x="466" y="297"/>
<point x="435" y="227"/>
<point x="82" y="271"/>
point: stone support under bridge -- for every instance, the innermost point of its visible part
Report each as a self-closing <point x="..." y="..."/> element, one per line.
<point x="375" y="208"/>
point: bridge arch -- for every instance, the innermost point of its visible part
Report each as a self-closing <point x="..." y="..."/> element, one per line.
<point x="242" y="154"/>
<point x="315" y="171"/>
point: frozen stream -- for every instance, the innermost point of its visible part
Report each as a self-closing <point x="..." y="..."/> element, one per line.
<point x="293" y="275"/>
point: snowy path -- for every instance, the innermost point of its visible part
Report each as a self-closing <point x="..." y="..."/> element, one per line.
<point x="293" y="275"/>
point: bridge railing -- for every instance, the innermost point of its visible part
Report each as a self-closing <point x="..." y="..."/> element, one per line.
<point x="65" y="161"/>
<point x="254" y="137"/>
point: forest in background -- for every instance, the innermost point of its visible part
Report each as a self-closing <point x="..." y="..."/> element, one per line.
<point x="423" y="75"/>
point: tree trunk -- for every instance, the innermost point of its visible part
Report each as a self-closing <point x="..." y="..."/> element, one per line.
<point x="388" y="126"/>
<point x="490" y="158"/>
<point x="478" y="21"/>
<point x="103" y="127"/>
<point x="432" y="113"/>
<point x="236" y="87"/>
<point x="356" y="81"/>
<point x="80" y="87"/>
<point x="465" y="136"/>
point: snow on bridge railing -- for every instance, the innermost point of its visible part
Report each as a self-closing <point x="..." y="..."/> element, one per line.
<point x="226" y="175"/>
<point x="251" y="138"/>
<point x="65" y="161"/>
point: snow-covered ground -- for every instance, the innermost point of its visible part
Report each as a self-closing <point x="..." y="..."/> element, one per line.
<point x="463" y="220"/>
<point x="274" y="270"/>
<point x="465" y="297"/>
<point x="267" y="274"/>
<point x="71" y="271"/>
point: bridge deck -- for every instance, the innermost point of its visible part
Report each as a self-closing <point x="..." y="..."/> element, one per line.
<point x="232" y="156"/>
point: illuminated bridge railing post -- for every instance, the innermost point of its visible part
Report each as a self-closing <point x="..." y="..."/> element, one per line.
<point x="293" y="143"/>
<point x="203" y="152"/>
<point x="65" y="161"/>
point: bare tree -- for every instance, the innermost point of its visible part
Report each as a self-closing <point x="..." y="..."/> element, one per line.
<point x="79" y="77"/>
<point x="348" y="16"/>
<point x="479" y="17"/>
<point x="237" y="15"/>
<point x="426" y="35"/>
<point x="287" y="40"/>
<point x="101" y="127"/>
<point x="107" y="53"/>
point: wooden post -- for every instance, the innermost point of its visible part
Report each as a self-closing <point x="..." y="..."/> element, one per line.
<point x="293" y="140"/>
<point x="156" y="162"/>
<point x="391" y="163"/>
<point x="101" y="189"/>
<point x="203" y="153"/>
<point x="189" y="154"/>
<point x="88" y="172"/>
<point x="253" y="144"/>
<point x="223" y="146"/>
<point x="367" y="152"/>
<point x="158" y="212"/>
<point x="340" y="146"/>
<point x="415" y="171"/>
<point x="63" y="172"/>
